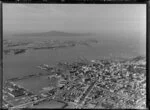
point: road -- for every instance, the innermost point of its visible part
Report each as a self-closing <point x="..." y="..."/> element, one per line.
<point x="47" y="98"/>
<point x="86" y="92"/>
<point x="25" y="104"/>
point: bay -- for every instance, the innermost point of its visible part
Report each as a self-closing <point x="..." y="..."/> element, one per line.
<point x="115" y="47"/>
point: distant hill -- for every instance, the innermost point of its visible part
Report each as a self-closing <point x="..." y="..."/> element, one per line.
<point x="53" y="33"/>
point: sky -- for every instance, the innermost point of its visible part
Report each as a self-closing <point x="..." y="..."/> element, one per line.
<point x="95" y="18"/>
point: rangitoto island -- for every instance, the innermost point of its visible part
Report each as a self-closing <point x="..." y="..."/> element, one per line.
<point x="54" y="33"/>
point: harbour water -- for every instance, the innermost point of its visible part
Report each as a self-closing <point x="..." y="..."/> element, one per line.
<point x="125" y="46"/>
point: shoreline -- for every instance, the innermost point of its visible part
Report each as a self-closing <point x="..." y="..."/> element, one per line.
<point x="80" y="60"/>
